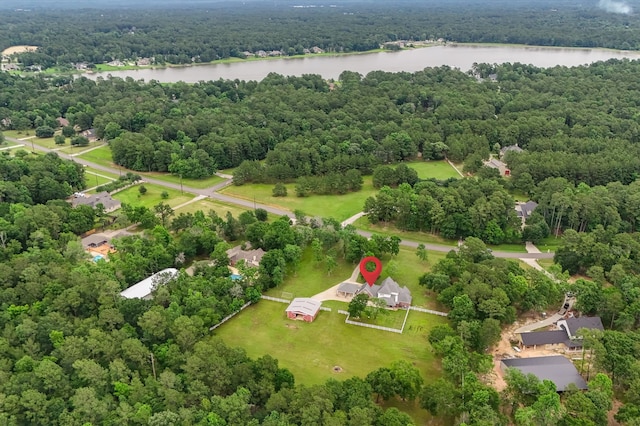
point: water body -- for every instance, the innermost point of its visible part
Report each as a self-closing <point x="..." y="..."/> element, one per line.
<point x="330" y="67"/>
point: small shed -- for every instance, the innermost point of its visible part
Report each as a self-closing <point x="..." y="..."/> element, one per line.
<point x="304" y="309"/>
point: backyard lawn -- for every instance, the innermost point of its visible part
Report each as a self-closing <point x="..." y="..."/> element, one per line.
<point x="153" y="196"/>
<point x="339" y="207"/>
<point x="433" y="169"/>
<point x="312" y="350"/>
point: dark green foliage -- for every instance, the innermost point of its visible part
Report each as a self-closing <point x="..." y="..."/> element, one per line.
<point x="121" y="182"/>
<point x="480" y="208"/>
<point x="279" y="190"/>
<point x="44" y="132"/>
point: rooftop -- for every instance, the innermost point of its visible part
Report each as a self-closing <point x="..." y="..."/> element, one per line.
<point x="557" y="369"/>
<point x="535" y="338"/>
<point x="574" y="324"/>
<point x="144" y="288"/>
<point x="304" y="305"/>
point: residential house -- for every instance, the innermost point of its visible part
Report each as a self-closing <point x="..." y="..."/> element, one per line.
<point x="510" y="148"/>
<point x="251" y="257"/>
<point x="142" y="62"/>
<point x="494" y="163"/>
<point x="564" y="337"/>
<point x="145" y="288"/>
<point x="90" y="134"/>
<point x="62" y="122"/>
<point x="572" y="325"/>
<point x="524" y="210"/>
<point x="116" y="63"/>
<point x="103" y="198"/>
<point x="99" y="244"/>
<point x="304" y="309"/>
<point x="389" y="291"/>
<point x="557" y="369"/>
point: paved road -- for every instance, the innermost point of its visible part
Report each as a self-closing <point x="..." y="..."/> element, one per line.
<point x="212" y="192"/>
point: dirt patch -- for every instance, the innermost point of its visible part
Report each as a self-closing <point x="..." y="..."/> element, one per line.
<point x="19" y="49"/>
<point x="337" y="369"/>
<point x="291" y="326"/>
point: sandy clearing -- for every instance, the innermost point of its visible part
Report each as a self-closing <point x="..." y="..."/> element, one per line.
<point x="18" y="49"/>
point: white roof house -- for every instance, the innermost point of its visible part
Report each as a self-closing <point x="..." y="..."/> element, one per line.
<point x="143" y="289"/>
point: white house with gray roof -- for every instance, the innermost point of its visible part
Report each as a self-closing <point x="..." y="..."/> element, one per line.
<point x="389" y="291"/>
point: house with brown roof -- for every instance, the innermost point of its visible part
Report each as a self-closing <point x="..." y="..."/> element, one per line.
<point x="251" y="257"/>
<point x="62" y="122"/>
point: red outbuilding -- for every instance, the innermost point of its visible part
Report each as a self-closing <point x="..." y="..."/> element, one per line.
<point x="304" y="309"/>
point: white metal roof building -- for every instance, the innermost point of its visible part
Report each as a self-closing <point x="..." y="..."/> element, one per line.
<point x="143" y="289"/>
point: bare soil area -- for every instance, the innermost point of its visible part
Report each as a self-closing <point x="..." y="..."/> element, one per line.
<point x="18" y="49"/>
<point x="504" y="349"/>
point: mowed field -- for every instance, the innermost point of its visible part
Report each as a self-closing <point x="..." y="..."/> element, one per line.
<point x="312" y="350"/>
<point x="339" y="207"/>
<point x="152" y="197"/>
<point x="434" y="169"/>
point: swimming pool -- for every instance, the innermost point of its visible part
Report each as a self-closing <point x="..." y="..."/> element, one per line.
<point x="236" y="277"/>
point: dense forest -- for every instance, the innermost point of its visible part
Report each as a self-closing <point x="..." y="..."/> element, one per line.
<point x="577" y="123"/>
<point x="202" y="33"/>
<point x="73" y="352"/>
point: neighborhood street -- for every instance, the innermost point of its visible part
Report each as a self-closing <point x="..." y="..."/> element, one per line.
<point x="212" y="192"/>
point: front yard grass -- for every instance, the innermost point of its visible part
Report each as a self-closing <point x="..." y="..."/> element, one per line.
<point x="153" y="196"/>
<point x="339" y="207"/>
<point x="101" y="156"/>
<point x="434" y="169"/>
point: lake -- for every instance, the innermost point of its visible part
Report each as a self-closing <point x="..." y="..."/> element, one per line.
<point x="330" y="67"/>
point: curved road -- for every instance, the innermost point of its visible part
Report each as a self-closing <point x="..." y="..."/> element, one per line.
<point x="212" y="192"/>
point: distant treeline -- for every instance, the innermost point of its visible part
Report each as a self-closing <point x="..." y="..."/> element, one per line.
<point x="224" y="30"/>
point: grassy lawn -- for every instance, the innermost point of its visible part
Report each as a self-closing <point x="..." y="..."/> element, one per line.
<point x="551" y="243"/>
<point x="545" y="263"/>
<point x="390" y="229"/>
<point x="100" y="156"/>
<point x="194" y="183"/>
<point x="406" y="269"/>
<point x="339" y="207"/>
<point x="153" y="196"/>
<point x="217" y="206"/>
<point x="311" y="277"/>
<point x="311" y="350"/>
<point x="387" y="318"/>
<point x="94" y="179"/>
<point x="433" y="169"/>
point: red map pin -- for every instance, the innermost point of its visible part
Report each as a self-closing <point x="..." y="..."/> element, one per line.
<point x="370" y="276"/>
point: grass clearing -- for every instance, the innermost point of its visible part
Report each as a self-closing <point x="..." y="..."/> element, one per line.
<point x="549" y="244"/>
<point x="311" y="278"/>
<point x="101" y="156"/>
<point x="339" y="207"/>
<point x="434" y="169"/>
<point x="311" y="350"/>
<point x="193" y="183"/>
<point x="95" y="179"/>
<point x="153" y="196"/>
<point x="217" y="206"/>
<point x="406" y="269"/>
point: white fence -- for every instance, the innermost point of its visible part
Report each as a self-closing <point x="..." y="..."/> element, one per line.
<point x="377" y="327"/>
<point x="275" y="299"/>
<point x="428" y="311"/>
<point x="228" y="317"/>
